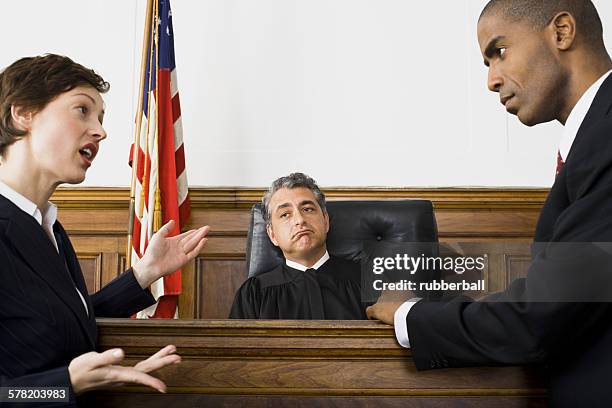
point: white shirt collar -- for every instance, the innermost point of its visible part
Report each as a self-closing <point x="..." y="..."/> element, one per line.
<point x="577" y="115"/>
<point x="303" y="268"/>
<point x="46" y="218"/>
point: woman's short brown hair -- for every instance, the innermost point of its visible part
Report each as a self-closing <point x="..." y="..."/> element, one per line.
<point x="33" y="82"/>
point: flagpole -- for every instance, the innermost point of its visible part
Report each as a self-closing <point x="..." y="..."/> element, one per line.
<point x="145" y="179"/>
<point x="157" y="214"/>
<point x="136" y="145"/>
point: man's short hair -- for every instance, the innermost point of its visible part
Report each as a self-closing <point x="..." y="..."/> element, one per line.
<point x="294" y="180"/>
<point x="539" y="13"/>
<point x="33" y="82"/>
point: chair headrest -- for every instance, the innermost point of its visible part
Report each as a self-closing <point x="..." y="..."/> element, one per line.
<point x="352" y="223"/>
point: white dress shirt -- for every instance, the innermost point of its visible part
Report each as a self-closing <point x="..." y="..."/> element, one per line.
<point x="576" y="116"/>
<point x="303" y="268"/>
<point x="572" y="125"/>
<point x="45" y="219"/>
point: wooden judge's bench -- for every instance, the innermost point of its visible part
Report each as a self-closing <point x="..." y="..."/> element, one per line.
<point x="302" y="363"/>
<point x="298" y="363"/>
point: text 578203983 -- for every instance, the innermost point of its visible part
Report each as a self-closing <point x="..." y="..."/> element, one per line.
<point x="34" y="394"/>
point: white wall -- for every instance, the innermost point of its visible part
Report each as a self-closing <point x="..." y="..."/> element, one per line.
<point x="352" y="92"/>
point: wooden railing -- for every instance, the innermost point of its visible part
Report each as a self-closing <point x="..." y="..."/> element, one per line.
<point x="301" y="363"/>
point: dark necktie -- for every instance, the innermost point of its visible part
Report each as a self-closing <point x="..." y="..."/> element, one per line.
<point x="560" y="163"/>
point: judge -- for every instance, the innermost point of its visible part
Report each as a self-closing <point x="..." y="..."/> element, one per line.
<point x="311" y="284"/>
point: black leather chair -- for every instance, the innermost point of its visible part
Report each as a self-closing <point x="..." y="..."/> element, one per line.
<point x="357" y="230"/>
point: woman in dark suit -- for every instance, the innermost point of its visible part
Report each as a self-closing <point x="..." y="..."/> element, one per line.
<point x="51" y="114"/>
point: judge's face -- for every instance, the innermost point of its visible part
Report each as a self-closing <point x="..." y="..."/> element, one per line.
<point x="524" y="68"/>
<point x="298" y="225"/>
<point x="63" y="138"/>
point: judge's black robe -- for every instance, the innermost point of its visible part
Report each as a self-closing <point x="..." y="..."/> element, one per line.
<point x="332" y="292"/>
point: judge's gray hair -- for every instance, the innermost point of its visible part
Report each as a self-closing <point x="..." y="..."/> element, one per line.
<point x="294" y="180"/>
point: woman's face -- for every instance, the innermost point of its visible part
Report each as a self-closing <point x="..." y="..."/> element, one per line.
<point x="65" y="135"/>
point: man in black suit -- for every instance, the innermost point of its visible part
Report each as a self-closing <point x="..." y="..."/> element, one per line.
<point x="547" y="61"/>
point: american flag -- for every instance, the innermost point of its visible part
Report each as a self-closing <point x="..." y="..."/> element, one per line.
<point x="161" y="135"/>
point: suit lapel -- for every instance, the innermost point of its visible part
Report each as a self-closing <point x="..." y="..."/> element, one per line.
<point x="31" y="242"/>
<point x="591" y="148"/>
<point x="556" y="202"/>
<point x="75" y="271"/>
<point x="602" y="103"/>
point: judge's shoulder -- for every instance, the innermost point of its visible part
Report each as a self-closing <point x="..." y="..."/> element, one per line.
<point x="274" y="277"/>
<point x="339" y="268"/>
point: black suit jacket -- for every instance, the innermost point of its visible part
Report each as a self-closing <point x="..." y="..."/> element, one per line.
<point x="43" y="323"/>
<point x="533" y="321"/>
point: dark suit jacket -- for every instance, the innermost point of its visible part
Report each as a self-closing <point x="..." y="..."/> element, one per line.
<point x="533" y="321"/>
<point x="43" y="323"/>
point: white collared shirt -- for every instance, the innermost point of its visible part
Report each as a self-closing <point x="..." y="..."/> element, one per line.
<point x="46" y="219"/>
<point x="303" y="268"/>
<point x="577" y="115"/>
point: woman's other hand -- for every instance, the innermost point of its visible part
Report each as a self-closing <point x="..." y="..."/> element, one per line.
<point x="93" y="370"/>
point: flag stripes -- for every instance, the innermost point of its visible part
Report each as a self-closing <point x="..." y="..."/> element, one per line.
<point x="160" y="186"/>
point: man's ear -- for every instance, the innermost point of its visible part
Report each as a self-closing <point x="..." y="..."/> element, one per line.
<point x="563" y="26"/>
<point x="326" y="216"/>
<point x="270" y="233"/>
<point x="22" y="117"/>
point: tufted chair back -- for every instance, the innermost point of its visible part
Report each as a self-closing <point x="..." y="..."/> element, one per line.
<point x="354" y="226"/>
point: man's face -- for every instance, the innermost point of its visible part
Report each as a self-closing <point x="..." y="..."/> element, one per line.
<point x="298" y="225"/>
<point x="524" y="68"/>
